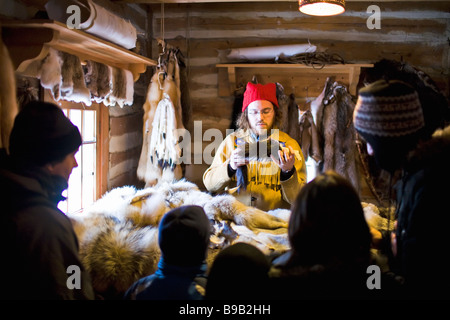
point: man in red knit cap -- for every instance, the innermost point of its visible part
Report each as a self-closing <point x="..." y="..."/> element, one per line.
<point x="271" y="180"/>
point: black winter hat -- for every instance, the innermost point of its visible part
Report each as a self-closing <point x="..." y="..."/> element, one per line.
<point x="184" y="236"/>
<point x="42" y="134"/>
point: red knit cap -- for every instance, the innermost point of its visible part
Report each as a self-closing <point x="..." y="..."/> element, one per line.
<point x="255" y="92"/>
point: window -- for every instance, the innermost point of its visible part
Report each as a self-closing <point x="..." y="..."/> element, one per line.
<point x="82" y="188"/>
<point x="87" y="181"/>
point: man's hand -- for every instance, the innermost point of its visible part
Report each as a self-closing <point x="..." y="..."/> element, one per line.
<point x="287" y="159"/>
<point x="236" y="159"/>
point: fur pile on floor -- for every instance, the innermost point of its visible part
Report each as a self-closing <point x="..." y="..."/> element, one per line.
<point x="118" y="234"/>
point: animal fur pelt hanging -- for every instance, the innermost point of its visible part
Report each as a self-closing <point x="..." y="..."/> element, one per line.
<point x="293" y="119"/>
<point x="309" y="137"/>
<point x="159" y="159"/>
<point x="98" y="80"/>
<point x="63" y="75"/>
<point x="283" y="103"/>
<point x="8" y="101"/>
<point x="122" y="88"/>
<point x="118" y="234"/>
<point x="237" y="107"/>
<point x="73" y="87"/>
<point x="335" y="125"/>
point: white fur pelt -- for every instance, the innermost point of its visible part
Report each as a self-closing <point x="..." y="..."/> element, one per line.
<point x="118" y="234"/>
<point x="8" y="101"/>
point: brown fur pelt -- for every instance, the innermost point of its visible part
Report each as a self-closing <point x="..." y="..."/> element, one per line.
<point x="283" y="103"/>
<point x="335" y="125"/>
<point x="97" y="78"/>
<point x="293" y="119"/>
<point x="8" y="101"/>
<point x="118" y="234"/>
<point x="73" y="87"/>
<point x="122" y="87"/>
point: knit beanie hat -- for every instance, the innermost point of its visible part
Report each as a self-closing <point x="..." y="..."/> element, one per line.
<point x="255" y="92"/>
<point x="184" y="236"/>
<point x="388" y="115"/>
<point x="42" y="134"/>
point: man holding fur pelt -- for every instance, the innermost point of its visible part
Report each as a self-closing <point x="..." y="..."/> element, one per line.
<point x="40" y="258"/>
<point x="262" y="166"/>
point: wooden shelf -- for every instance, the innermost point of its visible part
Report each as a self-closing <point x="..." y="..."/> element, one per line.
<point x="29" y="41"/>
<point x="292" y="75"/>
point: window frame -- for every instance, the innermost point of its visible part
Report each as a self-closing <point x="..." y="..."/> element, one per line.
<point x="102" y="138"/>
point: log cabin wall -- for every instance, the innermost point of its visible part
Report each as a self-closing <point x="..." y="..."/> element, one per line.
<point x="417" y="33"/>
<point x="122" y="127"/>
<point x="125" y="124"/>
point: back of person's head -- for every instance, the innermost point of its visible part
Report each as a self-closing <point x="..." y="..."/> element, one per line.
<point x="389" y="116"/>
<point x="327" y="223"/>
<point x="42" y="134"/>
<point x="239" y="272"/>
<point x="184" y="236"/>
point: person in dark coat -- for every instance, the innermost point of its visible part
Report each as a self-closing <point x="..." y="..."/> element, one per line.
<point x="330" y="246"/>
<point x="388" y="115"/>
<point x="181" y="275"/>
<point x="40" y="258"/>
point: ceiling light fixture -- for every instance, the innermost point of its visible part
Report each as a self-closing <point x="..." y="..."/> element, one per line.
<point x="321" y="7"/>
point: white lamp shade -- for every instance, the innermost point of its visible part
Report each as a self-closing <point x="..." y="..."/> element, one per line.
<point x="322" y="7"/>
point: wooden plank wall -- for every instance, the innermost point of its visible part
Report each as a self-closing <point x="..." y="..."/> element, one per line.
<point x="125" y="124"/>
<point x="417" y="32"/>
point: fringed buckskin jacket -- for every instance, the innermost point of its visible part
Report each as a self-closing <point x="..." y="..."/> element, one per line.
<point x="266" y="188"/>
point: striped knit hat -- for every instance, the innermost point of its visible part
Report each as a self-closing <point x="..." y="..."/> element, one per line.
<point x="389" y="116"/>
<point x="388" y="109"/>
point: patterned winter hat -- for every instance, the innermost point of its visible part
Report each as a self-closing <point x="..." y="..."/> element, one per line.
<point x="255" y="92"/>
<point x="388" y="115"/>
<point x="388" y="109"/>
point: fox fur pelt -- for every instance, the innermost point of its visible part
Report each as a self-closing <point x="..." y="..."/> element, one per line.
<point x="163" y="90"/>
<point x="118" y="234"/>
